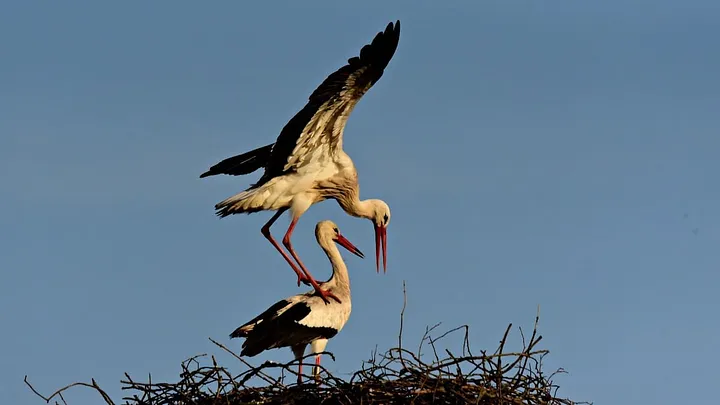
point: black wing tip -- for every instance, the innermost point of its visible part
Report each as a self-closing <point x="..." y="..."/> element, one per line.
<point x="389" y="39"/>
<point x="242" y="164"/>
<point x="214" y="171"/>
<point x="391" y="32"/>
<point x="222" y="212"/>
<point x="381" y="49"/>
<point x="391" y="29"/>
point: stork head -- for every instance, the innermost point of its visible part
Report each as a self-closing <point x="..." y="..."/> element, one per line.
<point x="327" y="232"/>
<point x="381" y="219"/>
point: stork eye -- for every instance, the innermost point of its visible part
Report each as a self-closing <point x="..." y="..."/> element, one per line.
<point x="385" y="218"/>
<point x="336" y="231"/>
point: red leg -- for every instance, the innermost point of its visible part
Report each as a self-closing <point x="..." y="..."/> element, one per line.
<point x="317" y="368"/>
<point x="299" y="352"/>
<point x="266" y="232"/>
<point x="286" y="241"/>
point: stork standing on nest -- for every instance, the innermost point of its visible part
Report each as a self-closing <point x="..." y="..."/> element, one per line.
<point x="305" y="319"/>
<point x="307" y="164"/>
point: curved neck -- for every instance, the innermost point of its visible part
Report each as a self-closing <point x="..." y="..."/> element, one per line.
<point x="340" y="277"/>
<point x="346" y="191"/>
<point x="358" y="208"/>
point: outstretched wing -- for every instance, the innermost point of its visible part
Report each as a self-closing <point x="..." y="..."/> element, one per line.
<point x="315" y="132"/>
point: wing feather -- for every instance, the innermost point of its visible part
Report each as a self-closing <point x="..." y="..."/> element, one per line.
<point x="315" y="132"/>
<point x="241" y="164"/>
<point x="280" y="326"/>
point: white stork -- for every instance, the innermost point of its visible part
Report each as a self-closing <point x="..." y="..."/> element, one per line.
<point x="305" y="318"/>
<point x="307" y="164"/>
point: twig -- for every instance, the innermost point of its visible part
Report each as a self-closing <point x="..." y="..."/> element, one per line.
<point x="262" y="375"/>
<point x="61" y="390"/>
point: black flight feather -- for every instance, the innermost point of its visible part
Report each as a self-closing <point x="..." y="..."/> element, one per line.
<point x="267" y="315"/>
<point x="281" y="331"/>
<point x="245" y="163"/>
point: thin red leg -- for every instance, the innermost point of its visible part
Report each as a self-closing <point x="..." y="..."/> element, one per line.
<point x="286" y="241"/>
<point x="299" y="351"/>
<point x="317" y="368"/>
<point x="266" y="232"/>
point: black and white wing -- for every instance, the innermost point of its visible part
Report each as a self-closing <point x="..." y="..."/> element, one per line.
<point x="286" y="323"/>
<point x="270" y="313"/>
<point x="315" y="132"/>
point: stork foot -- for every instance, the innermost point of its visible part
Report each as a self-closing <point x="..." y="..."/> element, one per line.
<point x="303" y="279"/>
<point x="325" y="295"/>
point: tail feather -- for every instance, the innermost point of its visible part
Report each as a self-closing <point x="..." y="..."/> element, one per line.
<point x="268" y="314"/>
<point x="248" y="201"/>
<point x="253" y="346"/>
<point x="255" y="334"/>
<point x="265" y="195"/>
<point x="245" y="163"/>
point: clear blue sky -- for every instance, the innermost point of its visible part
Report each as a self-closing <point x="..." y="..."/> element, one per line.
<point x="533" y="153"/>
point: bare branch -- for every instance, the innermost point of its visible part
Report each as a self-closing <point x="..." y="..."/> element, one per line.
<point x="65" y="388"/>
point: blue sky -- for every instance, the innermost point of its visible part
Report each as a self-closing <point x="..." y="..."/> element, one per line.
<point x="533" y="153"/>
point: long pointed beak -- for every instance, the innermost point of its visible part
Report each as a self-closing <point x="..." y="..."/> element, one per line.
<point x="381" y="240"/>
<point x="342" y="241"/>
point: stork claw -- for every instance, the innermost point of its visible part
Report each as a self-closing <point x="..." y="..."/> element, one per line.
<point x="304" y="280"/>
<point x="324" y="294"/>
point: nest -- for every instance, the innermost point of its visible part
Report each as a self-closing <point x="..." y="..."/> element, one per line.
<point x="398" y="376"/>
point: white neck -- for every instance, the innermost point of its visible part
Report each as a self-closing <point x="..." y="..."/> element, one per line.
<point x="362" y="209"/>
<point x="340" y="277"/>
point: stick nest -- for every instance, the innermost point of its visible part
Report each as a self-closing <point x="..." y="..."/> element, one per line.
<point x="398" y="376"/>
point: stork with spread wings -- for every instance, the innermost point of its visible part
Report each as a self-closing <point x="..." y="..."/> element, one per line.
<point x="307" y="163"/>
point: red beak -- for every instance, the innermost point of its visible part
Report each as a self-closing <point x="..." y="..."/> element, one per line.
<point x="381" y="238"/>
<point x="349" y="246"/>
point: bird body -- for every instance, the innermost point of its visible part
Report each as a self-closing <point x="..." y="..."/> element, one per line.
<point x="297" y="320"/>
<point x="299" y="190"/>
<point x="305" y="319"/>
<point x="307" y="163"/>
